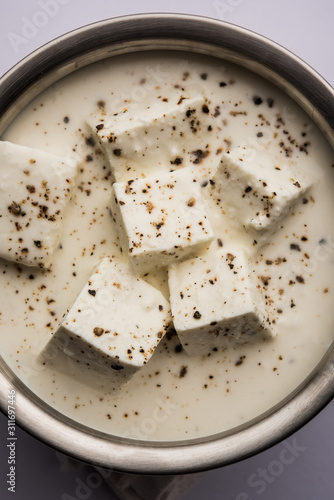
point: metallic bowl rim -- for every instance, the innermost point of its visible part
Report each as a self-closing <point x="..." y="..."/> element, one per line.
<point x="226" y="41"/>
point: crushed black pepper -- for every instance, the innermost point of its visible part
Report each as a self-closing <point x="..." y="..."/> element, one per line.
<point x="200" y="155"/>
<point x="98" y="331"/>
<point x="257" y="100"/>
<point x="177" y="161"/>
<point x="16" y="209"/>
<point x="295" y="246"/>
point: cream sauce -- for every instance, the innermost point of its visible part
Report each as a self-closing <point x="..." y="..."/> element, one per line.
<point x="175" y="396"/>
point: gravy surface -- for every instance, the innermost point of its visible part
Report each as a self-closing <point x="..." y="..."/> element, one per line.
<point x="175" y="396"/>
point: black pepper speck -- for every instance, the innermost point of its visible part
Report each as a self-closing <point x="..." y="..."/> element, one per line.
<point x="257" y="100"/>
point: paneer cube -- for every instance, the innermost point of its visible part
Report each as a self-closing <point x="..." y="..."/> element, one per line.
<point x="167" y="135"/>
<point x="163" y="218"/>
<point x="255" y="191"/>
<point x="115" y="324"/>
<point x="35" y="188"/>
<point x="214" y="301"/>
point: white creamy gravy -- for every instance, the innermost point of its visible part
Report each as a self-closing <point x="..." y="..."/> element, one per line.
<point x="175" y="396"/>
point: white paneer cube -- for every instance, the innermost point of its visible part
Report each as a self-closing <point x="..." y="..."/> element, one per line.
<point x="256" y="191"/>
<point x="35" y="187"/>
<point x="163" y="219"/>
<point x="115" y="324"/>
<point x="214" y="301"/>
<point x="167" y="135"/>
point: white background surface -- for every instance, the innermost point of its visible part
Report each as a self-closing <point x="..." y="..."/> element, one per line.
<point x="306" y="28"/>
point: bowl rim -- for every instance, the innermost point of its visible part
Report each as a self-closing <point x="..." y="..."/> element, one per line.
<point x="202" y="35"/>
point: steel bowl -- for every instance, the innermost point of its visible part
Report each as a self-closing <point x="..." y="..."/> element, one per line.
<point x="194" y="34"/>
